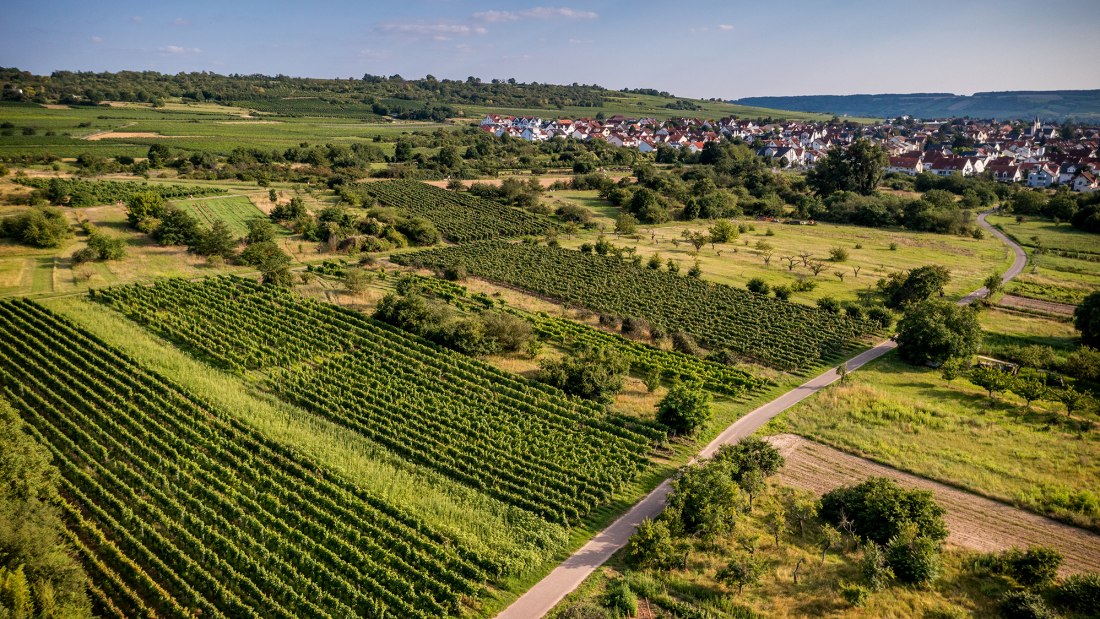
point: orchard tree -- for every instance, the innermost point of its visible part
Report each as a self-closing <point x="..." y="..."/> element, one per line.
<point x="741" y="571"/>
<point x="143" y="205"/>
<point x="704" y="501"/>
<point x="1087" y="319"/>
<point x="1030" y="387"/>
<point x="652" y="545"/>
<point x="751" y="453"/>
<point x="934" y="331"/>
<point x="994" y="380"/>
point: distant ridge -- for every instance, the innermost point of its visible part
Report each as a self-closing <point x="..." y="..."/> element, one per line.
<point x="1078" y="105"/>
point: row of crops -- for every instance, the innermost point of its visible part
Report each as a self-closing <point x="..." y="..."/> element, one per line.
<point x="79" y="192"/>
<point x="671" y="365"/>
<point x="518" y="441"/>
<point x="460" y="217"/>
<point x="785" y="335"/>
<point x="178" y="510"/>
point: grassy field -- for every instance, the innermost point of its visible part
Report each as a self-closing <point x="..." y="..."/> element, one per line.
<point x="1050" y="276"/>
<point x="1035" y="459"/>
<point x="1036" y="232"/>
<point x="1007" y="328"/>
<point x="969" y="260"/>
<point x="694" y="591"/>
<point x="235" y="211"/>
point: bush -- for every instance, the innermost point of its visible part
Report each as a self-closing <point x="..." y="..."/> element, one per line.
<point x="879" y="510"/>
<point x="838" y="254"/>
<point x="1033" y="567"/>
<point x="750" y="454"/>
<point x="684" y="409"/>
<point x="1086" y="318"/>
<point x="507" y="332"/>
<point x="829" y="304"/>
<point x="594" y="374"/>
<point x="1080" y="593"/>
<point x="652" y="546"/>
<point x="84" y="254"/>
<point x="621" y="600"/>
<point x="758" y="285"/>
<point x="914" y="559"/>
<point x="783" y="293"/>
<point x="455" y="272"/>
<point x="856" y="595"/>
<point x="875" y="568"/>
<point x="880" y="316"/>
<point x="38" y="227"/>
<point x="1024" y="605"/>
<point x="683" y="341"/>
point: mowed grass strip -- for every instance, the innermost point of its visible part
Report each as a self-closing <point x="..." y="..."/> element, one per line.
<point x="235" y="211"/>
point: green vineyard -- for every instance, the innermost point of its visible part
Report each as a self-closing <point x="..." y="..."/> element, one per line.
<point x="178" y="510"/>
<point x="460" y="217"/>
<point x="517" y="441"/>
<point x="784" y="335"/>
<point x="671" y="365"/>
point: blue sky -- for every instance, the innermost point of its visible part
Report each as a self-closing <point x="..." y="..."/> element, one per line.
<point x="710" y="48"/>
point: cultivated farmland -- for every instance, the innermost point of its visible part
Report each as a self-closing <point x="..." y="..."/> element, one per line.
<point x="235" y="211"/>
<point x="520" y="442"/>
<point x="460" y="217"/>
<point x="778" y="333"/>
<point x="177" y="509"/>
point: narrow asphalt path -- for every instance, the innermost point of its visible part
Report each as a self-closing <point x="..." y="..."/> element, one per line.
<point x="541" y="598"/>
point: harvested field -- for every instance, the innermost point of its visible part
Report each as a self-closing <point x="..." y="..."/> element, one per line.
<point x="974" y="522"/>
<point x="1035" y="305"/>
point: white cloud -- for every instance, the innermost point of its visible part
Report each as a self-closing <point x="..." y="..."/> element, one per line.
<point x="179" y="21"/>
<point x="725" y="27"/>
<point x="176" y="50"/>
<point x="439" y="31"/>
<point x="539" y="12"/>
<point x="97" y="40"/>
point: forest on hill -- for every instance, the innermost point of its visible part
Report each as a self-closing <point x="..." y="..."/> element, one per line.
<point x="1079" y="105"/>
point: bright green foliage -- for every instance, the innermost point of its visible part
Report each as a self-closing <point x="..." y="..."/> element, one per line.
<point x="855" y="595"/>
<point x="621" y="600"/>
<point x="934" y="331"/>
<point x="874" y="568"/>
<point x="177" y="506"/>
<point x="723" y="231"/>
<point x="914" y="559"/>
<point x="751" y="453"/>
<point x="37" y="227"/>
<point x="594" y="374"/>
<point x="1035" y="567"/>
<point x="992" y="379"/>
<point x="705" y="501"/>
<point x="858" y="168"/>
<point x="718" y="317"/>
<point x="1087" y="320"/>
<point x="177" y="227"/>
<point x="913" y="286"/>
<point x="626" y="223"/>
<point x="259" y="230"/>
<point x="217" y="241"/>
<point x="880" y="510"/>
<point x="143" y="205"/>
<point x="684" y="410"/>
<point x="458" y="216"/>
<point x="652" y="545"/>
<point x="1022" y="604"/>
<point x="515" y="440"/>
<point x="1030" y="387"/>
<point x="741" y="571"/>
<point x="272" y="262"/>
<point x="1080" y="593"/>
<point x="78" y="192"/>
<point x="953" y="368"/>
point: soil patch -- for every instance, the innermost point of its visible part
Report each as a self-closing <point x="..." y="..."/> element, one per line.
<point x="130" y="134"/>
<point x="1035" y="305"/>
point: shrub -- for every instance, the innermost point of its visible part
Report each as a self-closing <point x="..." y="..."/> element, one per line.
<point x="595" y="374"/>
<point x="783" y="293"/>
<point x="652" y="545"/>
<point x="1080" y="593"/>
<point x="455" y="272"/>
<point x="684" y="409"/>
<point x="750" y="454"/>
<point x="934" y="331"/>
<point x="758" y="285"/>
<point x="914" y="559"/>
<point x="838" y="254"/>
<point x="856" y="595"/>
<point x="829" y="304"/>
<point x="1025" y="605"/>
<point x="879" y="510"/>
<point x="38" y="227"/>
<point x="621" y="600"/>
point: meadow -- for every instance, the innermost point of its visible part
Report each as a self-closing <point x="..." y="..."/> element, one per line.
<point x="235" y="211"/>
<point x="1036" y="459"/>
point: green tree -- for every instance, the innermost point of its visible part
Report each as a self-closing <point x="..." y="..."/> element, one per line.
<point x="953" y="368"/>
<point x="704" y="501"/>
<point x="626" y="223"/>
<point x="272" y="262"/>
<point x="752" y="484"/>
<point x="419" y="231"/>
<point x="994" y="380"/>
<point x="592" y="373"/>
<point x="217" y="241"/>
<point x="106" y="247"/>
<point x="652" y="545"/>
<point x="913" y="286"/>
<point x="741" y="571"/>
<point x="144" y="205"/>
<point x="751" y="453"/>
<point x="1072" y="399"/>
<point x="879" y="509"/>
<point x="37" y="227"/>
<point x="933" y="331"/>
<point x="259" y="230"/>
<point x="1030" y="387"/>
<point x="723" y="231"/>
<point x="356" y="280"/>
<point x="859" y="168"/>
<point x="177" y="227"/>
<point x="914" y="559"/>
<point x="875" y="568"/>
<point x="1086" y="318"/>
<point x="993" y="284"/>
<point x="684" y="410"/>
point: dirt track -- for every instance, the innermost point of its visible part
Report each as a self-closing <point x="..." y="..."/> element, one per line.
<point x="973" y="522"/>
<point x="1047" y="307"/>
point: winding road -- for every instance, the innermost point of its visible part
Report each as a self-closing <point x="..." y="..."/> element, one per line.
<point x="541" y="598"/>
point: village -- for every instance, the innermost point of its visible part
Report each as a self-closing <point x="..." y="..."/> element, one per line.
<point x="1038" y="154"/>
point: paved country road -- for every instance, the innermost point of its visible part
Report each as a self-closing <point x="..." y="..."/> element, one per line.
<point x="538" y="600"/>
